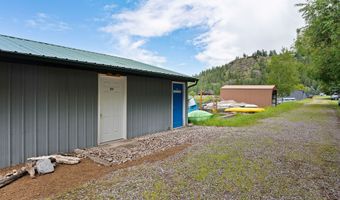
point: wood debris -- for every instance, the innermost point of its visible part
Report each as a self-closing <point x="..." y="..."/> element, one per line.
<point x="12" y="176"/>
<point x="31" y="167"/>
<point x="59" y="159"/>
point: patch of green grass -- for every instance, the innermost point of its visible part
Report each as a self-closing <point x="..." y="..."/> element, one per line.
<point x="227" y="168"/>
<point x="250" y="119"/>
<point x="157" y="192"/>
<point x="322" y="97"/>
<point x="327" y="153"/>
<point x="311" y="112"/>
<point x="231" y="168"/>
<point x="334" y="105"/>
<point x="297" y="156"/>
<point x="326" y="156"/>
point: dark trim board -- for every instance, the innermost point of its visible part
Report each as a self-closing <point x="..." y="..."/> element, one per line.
<point x="46" y="61"/>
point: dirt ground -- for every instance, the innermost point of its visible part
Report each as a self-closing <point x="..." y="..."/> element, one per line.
<point x="66" y="177"/>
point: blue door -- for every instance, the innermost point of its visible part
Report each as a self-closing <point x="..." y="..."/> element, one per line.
<point x="177" y="107"/>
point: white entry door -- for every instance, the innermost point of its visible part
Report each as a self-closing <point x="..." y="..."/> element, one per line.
<point x="112" y="104"/>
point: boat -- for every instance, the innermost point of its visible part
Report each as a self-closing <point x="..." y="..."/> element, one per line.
<point x="192" y="106"/>
<point x="245" y="110"/>
<point x="199" y="115"/>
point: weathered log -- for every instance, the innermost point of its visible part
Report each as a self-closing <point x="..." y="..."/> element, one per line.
<point x="40" y="158"/>
<point x="30" y="168"/>
<point x="67" y="159"/>
<point x="13" y="177"/>
<point x="11" y="173"/>
<point x="59" y="159"/>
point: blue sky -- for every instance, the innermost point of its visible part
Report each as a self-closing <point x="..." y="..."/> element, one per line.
<point x="182" y="35"/>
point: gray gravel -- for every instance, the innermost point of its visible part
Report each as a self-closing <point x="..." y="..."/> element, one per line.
<point x="294" y="156"/>
<point x="121" y="152"/>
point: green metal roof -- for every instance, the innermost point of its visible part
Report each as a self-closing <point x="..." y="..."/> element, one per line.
<point x="33" y="48"/>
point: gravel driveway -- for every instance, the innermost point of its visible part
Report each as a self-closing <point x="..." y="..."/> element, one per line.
<point x="293" y="156"/>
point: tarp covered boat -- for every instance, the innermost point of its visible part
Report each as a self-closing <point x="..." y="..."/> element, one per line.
<point x="199" y="115"/>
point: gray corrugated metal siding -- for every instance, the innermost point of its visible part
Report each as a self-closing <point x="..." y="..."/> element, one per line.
<point x="45" y="110"/>
<point x="148" y="105"/>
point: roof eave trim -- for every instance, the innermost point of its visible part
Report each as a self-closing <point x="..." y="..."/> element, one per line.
<point x="92" y="66"/>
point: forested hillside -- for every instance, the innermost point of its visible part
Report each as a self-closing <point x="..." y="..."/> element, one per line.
<point x="241" y="71"/>
<point x="283" y="70"/>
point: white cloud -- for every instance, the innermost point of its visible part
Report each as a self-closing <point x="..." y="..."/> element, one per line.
<point x="230" y="27"/>
<point x="133" y="49"/>
<point x="109" y="7"/>
<point x="45" y="22"/>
